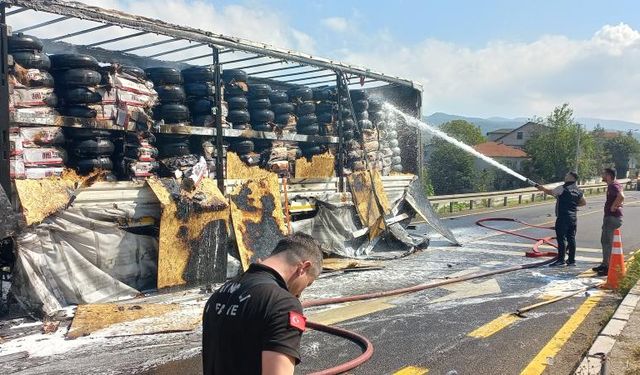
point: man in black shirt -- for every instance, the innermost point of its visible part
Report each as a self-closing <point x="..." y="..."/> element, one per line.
<point x="569" y="198"/>
<point x="254" y="322"/>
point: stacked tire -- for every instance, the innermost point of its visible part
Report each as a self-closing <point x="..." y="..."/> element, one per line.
<point x="90" y="149"/>
<point x="235" y="94"/>
<point x="175" y="156"/>
<point x="201" y="94"/>
<point x="139" y="156"/>
<point x="307" y="122"/>
<point x="326" y="110"/>
<point x="389" y="147"/>
<point x="35" y="151"/>
<point x="283" y="111"/>
<point x="171" y="107"/>
<point x="245" y="148"/>
<point x="77" y="78"/>
<point x="262" y="117"/>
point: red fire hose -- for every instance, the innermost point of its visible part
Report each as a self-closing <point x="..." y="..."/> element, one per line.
<point x="366" y="355"/>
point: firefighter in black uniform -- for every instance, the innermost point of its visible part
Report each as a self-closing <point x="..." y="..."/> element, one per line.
<point x="254" y="322"/>
<point x="568" y="198"/>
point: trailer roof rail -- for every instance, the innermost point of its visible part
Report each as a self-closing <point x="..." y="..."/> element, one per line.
<point x="194" y="37"/>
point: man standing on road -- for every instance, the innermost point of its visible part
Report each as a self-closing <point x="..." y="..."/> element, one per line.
<point x="612" y="217"/>
<point x="568" y="198"/>
<point x="254" y="322"/>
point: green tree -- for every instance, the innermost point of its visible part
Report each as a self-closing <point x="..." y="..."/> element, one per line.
<point x="553" y="150"/>
<point x="620" y="149"/>
<point x="451" y="170"/>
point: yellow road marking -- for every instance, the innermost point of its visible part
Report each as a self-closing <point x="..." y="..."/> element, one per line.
<point x="350" y="311"/>
<point x="538" y="365"/>
<point x="411" y="370"/>
<point x="494" y="326"/>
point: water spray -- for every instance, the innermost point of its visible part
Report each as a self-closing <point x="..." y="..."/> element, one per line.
<point x="440" y="134"/>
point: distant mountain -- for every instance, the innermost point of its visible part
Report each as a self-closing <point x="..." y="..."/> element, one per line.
<point x="494" y="123"/>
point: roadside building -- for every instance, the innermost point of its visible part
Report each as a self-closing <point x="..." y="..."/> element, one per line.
<point x="515" y="137"/>
<point x="510" y="156"/>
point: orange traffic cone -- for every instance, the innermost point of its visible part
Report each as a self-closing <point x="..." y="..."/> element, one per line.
<point x="617" y="269"/>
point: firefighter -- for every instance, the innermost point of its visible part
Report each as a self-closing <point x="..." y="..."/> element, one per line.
<point x="254" y="322"/>
<point x="568" y="198"/>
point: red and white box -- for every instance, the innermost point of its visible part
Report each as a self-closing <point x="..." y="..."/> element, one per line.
<point x="16" y="168"/>
<point x="41" y="136"/>
<point x="38" y="173"/>
<point x="30" y="97"/>
<point x="43" y="156"/>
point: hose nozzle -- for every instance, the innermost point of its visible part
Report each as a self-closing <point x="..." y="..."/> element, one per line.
<point x="531" y="182"/>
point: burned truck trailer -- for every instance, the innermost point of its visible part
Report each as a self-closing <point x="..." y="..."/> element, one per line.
<point x="141" y="154"/>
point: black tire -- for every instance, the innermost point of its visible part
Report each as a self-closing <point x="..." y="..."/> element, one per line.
<point x="365" y="124"/>
<point x="239" y="117"/>
<point x="259" y="91"/>
<point x="262" y="116"/>
<point x="199" y="89"/>
<point x="307" y="120"/>
<point x="262" y="127"/>
<point x="348" y="123"/>
<point x="171" y="93"/>
<point x="396" y="168"/>
<point x="259" y="104"/>
<point x="171" y="138"/>
<point x="396" y="160"/>
<point x="396" y="150"/>
<point x="81" y="95"/>
<point x="313" y="150"/>
<point x="91" y="148"/>
<point x="375" y="105"/>
<point x="86" y="133"/>
<point x="283" y="118"/>
<point x="237" y="102"/>
<point x="282" y="108"/>
<point x="88" y="165"/>
<point x="346" y="112"/>
<point x="204" y="120"/>
<point x="164" y="76"/>
<point x="66" y="61"/>
<point x="324" y="94"/>
<point x="325" y="118"/>
<point x="203" y="106"/>
<point x="172" y="113"/>
<point x="174" y="149"/>
<point x="51" y="100"/>
<point x="278" y="97"/>
<point x="243" y="147"/>
<point x="326" y="107"/>
<point x="44" y="80"/>
<point x="382" y="125"/>
<point x="362" y="115"/>
<point x="361" y="105"/>
<point x="392" y="134"/>
<point x="198" y="74"/>
<point x="393" y="144"/>
<point x="305" y="108"/>
<point x="313" y="129"/>
<point x="244" y="126"/>
<point x="20" y="42"/>
<point x="32" y="60"/>
<point x="234" y="90"/>
<point x="347" y="135"/>
<point x="134" y="71"/>
<point x="237" y="75"/>
<point x="358" y="95"/>
<point x="301" y="94"/>
<point x="78" y="78"/>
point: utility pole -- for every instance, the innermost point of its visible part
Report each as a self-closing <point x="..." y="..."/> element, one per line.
<point x="578" y="147"/>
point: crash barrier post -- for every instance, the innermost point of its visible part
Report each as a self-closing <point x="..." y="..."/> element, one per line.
<point x="472" y="201"/>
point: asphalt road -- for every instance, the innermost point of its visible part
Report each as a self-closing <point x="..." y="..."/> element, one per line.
<point x="438" y="329"/>
<point x="465" y="328"/>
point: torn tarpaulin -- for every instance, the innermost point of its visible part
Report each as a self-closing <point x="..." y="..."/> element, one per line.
<point x="72" y="258"/>
<point x="417" y="198"/>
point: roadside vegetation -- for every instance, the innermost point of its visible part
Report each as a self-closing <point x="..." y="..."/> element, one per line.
<point x="632" y="276"/>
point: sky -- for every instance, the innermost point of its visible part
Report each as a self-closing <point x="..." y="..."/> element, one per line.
<point x="475" y="58"/>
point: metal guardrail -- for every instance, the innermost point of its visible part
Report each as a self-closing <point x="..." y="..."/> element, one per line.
<point x="467" y="202"/>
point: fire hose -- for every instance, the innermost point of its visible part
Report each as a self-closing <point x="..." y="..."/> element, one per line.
<point x="368" y="346"/>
